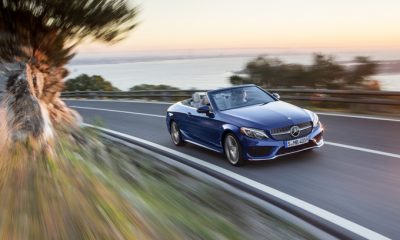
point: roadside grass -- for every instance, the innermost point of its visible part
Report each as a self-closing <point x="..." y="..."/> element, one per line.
<point x="85" y="187"/>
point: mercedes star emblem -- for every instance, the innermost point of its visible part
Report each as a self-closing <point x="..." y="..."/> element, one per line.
<point x="295" y="131"/>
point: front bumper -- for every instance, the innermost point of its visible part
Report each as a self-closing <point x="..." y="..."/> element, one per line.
<point x="268" y="149"/>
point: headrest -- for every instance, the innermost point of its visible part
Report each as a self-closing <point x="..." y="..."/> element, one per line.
<point x="197" y="96"/>
<point x="205" y="100"/>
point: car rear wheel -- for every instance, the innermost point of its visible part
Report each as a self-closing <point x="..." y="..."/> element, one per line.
<point x="233" y="150"/>
<point x="176" y="134"/>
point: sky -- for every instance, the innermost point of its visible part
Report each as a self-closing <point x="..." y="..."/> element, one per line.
<point x="244" y="24"/>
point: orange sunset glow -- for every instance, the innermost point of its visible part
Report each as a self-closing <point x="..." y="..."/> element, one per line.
<point x="192" y="24"/>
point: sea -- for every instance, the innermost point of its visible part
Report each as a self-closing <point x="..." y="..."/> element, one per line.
<point x="199" y="71"/>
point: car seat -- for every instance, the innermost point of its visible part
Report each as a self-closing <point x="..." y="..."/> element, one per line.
<point x="196" y="99"/>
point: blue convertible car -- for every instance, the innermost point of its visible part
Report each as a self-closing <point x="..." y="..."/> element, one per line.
<point x="244" y="122"/>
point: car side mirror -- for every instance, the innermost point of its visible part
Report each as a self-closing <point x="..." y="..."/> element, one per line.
<point x="204" y="109"/>
<point x="276" y="95"/>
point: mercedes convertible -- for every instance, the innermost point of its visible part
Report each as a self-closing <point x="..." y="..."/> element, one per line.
<point x="246" y="123"/>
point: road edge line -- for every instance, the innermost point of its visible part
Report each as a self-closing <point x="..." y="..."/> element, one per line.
<point x="123" y="101"/>
<point x="170" y="103"/>
<point x="118" y="111"/>
<point x="361" y="149"/>
<point x="196" y="172"/>
<point x="321" y="213"/>
<point x="358" y="116"/>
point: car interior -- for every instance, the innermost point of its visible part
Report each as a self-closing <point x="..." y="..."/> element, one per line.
<point x="198" y="99"/>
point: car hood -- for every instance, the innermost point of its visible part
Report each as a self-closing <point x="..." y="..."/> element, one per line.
<point x="271" y="115"/>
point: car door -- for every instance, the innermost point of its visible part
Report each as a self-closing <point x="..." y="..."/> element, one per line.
<point x="206" y="129"/>
<point x="185" y="122"/>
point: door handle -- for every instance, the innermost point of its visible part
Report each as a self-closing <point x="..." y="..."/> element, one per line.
<point x="189" y="114"/>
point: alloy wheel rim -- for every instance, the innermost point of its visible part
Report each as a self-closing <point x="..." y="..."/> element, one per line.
<point x="232" y="149"/>
<point x="175" y="133"/>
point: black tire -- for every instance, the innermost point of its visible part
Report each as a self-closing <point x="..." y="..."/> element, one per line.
<point x="176" y="135"/>
<point x="233" y="150"/>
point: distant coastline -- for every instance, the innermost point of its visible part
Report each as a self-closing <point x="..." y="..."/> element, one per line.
<point x="386" y="66"/>
<point x="138" y="59"/>
<point x="206" y="70"/>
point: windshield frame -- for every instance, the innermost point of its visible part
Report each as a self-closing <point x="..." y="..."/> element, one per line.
<point x="215" y="106"/>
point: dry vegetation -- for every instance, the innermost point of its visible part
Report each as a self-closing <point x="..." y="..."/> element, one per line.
<point x="80" y="189"/>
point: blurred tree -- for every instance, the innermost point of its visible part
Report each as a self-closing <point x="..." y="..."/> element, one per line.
<point x="239" y="80"/>
<point x="362" y="69"/>
<point x="264" y="71"/>
<point x="152" y="87"/>
<point x="84" y="82"/>
<point x="324" y="72"/>
<point x="37" y="39"/>
<point x="293" y="75"/>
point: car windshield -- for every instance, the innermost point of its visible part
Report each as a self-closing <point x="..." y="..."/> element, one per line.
<point x="240" y="97"/>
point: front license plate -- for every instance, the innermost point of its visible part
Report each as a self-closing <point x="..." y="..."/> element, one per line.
<point x="297" y="142"/>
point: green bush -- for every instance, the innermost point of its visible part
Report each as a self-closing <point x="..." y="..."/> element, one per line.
<point x="88" y="83"/>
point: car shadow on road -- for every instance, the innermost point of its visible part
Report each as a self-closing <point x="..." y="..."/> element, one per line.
<point x="220" y="159"/>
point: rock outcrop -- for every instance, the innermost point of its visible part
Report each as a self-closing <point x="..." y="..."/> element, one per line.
<point x="31" y="101"/>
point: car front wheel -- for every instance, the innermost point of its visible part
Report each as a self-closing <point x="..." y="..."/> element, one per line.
<point x="176" y="134"/>
<point x="233" y="150"/>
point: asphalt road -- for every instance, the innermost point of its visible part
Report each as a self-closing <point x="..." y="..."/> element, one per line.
<point x="361" y="186"/>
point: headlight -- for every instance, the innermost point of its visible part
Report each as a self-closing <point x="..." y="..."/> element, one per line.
<point x="315" y="120"/>
<point x="253" y="133"/>
<point x="314" y="117"/>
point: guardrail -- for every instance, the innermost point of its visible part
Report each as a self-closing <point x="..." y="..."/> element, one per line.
<point x="311" y="95"/>
<point x="315" y="96"/>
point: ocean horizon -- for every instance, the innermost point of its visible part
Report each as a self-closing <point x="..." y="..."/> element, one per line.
<point x="200" y="71"/>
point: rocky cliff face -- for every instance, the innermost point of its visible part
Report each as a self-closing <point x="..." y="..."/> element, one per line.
<point x="3" y="80"/>
<point x="31" y="101"/>
<point x="5" y="70"/>
<point x="24" y="111"/>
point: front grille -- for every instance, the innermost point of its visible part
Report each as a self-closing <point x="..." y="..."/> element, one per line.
<point x="284" y="150"/>
<point x="283" y="134"/>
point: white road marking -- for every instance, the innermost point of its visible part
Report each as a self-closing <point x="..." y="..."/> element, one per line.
<point x="326" y="142"/>
<point x="326" y="215"/>
<point x="170" y="103"/>
<point x="363" y="149"/>
<point x="358" y="116"/>
<point x="118" y="111"/>
<point x="123" y="101"/>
